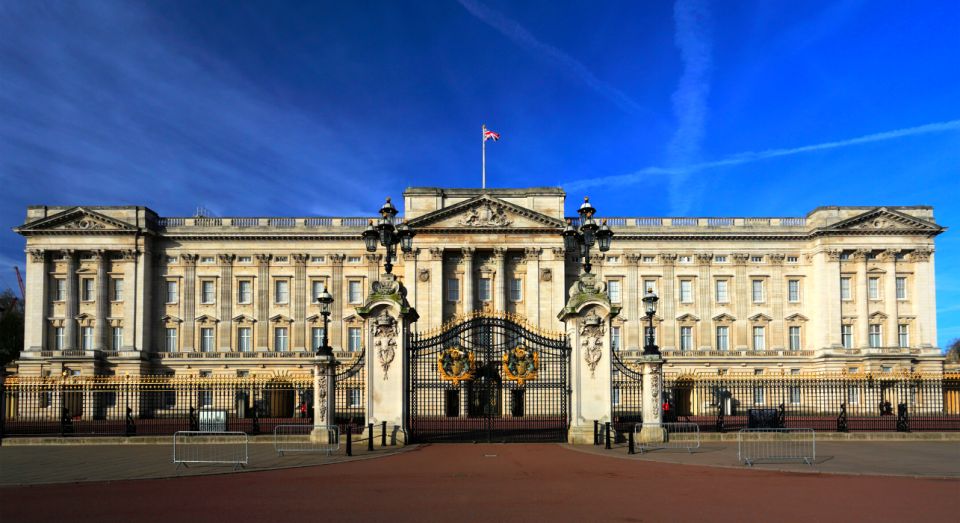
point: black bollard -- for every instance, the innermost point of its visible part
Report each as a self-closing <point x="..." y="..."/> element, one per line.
<point x="349" y="440"/>
<point x="370" y="437"/>
<point x="606" y="428"/>
<point x="383" y="434"/>
<point x="596" y="432"/>
<point x="630" y="449"/>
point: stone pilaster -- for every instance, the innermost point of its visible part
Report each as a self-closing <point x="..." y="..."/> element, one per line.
<point x="741" y="300"/>
<point x="189" y="300"/>
<point x="373" y="267"/>
<point x="224" y="336"/>
<point x="336" y="309"/>
<point x="101" y="328"/>
<point x="668" y="302"/>
<point x="436" y="287"/>
<point x="705" y="300"/>
<point x="38" y="287"/>
<point x="863" y="311"/>
<point x="410" y="274"/>
<point x="532" y="291"/>
<point x="131" y="297"/>
<point x="262" y="307"/>
<point x="499" y="279"/>
<point x="144" y="319"/>
<point x="925" y="306"/>
<point x="828" y="305"/>
<point x="468" y="296"/>
<point x="888" y="261"/>
<point x="776" y="299"/>
<point x="300" y="292"/>
<point x="556" y="278"/>
<point x="632" y="295"/>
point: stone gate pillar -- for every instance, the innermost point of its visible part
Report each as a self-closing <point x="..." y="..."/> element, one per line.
<point x="652" y="431"/>
<point x="587" y="317"/>
<point x="388" y="318"/>
<point x="324" y="394"/>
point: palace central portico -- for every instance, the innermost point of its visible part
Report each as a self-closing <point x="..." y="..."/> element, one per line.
<point x="123" y="291"/>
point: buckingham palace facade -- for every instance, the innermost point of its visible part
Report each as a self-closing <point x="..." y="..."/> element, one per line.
<point x="117" y="290"/>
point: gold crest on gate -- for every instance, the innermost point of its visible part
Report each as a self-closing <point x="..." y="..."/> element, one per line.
<point x="456" y="365"/>
<point x="521" y="365"/>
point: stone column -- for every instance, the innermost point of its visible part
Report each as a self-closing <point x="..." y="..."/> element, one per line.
<point x="468" y="297"/>
<point x="410" y="274"/>
<point x="389" y="318"/>
<point x="38" y="289"/>
<point x="705" y="300"/>
<point x="776" y="300"/>
<point x="336" y="309"/>
<point x="373" y="268"/>
<point x="889" y="260"/>
<point x="556" y="279"/>
<point x="225" y="334"/>
<point x="262" y="307"/>
<point x="532" y="291"/>
<point x="71" y="305"/>
<point x="101" y="328"/>
<point x="652" y="431"/>
<point x="828" y="306"/>
<point x="741" y="299"/>
<point x="324" y="396"/>
<point x="863" y="311"/>
<point x="144" y="321"/>
<point x="499" y="279"/>
<point x="300" y="292"/>
<point x="436" y="287"/>
<point x="587" y="317"/>
<point x="131" y="296"/>
<point x="924" y="297"/>
<point x="633" y="294"/>
<point x="189" y="300"/>
<point x="668" y="302"/>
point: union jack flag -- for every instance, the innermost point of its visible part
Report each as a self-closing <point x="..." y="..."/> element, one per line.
<point x="490" y="135"/>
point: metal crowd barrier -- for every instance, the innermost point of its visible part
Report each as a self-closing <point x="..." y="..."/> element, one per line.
<point x="679" y="435"/>
<point x="191" y="446"/>
<point x="776" y="445"/>
<point x="306" y="438"/>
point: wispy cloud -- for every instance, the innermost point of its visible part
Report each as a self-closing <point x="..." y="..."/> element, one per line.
<point x="749" y="157"/>
<point x="692" y="36"/>
<point x="522" y="37"/>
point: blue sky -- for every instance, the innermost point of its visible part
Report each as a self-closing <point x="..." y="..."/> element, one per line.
<point x="696" y="108"/>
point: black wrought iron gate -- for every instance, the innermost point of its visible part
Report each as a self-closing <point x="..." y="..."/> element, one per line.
<point x="489" y="377"/>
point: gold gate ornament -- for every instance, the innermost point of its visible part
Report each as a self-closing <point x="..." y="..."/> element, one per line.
<point x="521" y="365"/>
<point x="456" y="365"/>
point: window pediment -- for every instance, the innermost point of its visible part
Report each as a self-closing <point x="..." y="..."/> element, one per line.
<point x="796" y="318"/>
<point x="280" y="318"/>
<point x="688" y="318"/>
<point x="760" y="318"/>
<point x="206" y="319"/>
<point x="243" y="318"/>
<point x="724" y="318"/>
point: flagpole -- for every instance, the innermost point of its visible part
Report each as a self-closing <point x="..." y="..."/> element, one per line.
<point x="483" y="140"/>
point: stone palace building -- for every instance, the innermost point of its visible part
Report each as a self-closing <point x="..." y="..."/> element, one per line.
<point x="122" y="290"/>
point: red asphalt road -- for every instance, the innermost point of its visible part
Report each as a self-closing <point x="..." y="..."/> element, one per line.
<point x="519" y="482"/>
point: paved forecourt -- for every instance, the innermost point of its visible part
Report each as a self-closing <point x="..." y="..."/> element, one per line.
<point x="517" y="482"/>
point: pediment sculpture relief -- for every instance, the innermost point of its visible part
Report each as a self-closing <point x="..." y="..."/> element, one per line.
<point x="487" y="214"/>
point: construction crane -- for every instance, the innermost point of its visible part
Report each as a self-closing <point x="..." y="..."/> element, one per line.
<point x="23" y="291"/>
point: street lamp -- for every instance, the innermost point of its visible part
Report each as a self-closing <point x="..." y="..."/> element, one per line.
<point x="324" y="299"/>
<point x="650" y="303"/>
<point x="389" y="235"/>
<point x="588" y="234"/>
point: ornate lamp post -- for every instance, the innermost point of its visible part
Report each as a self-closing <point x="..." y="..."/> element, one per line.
<point x="589" y="233"/>
<point x="325" y="299"/>
<point x="386" y="233"/>
<point x="650" y="303"/>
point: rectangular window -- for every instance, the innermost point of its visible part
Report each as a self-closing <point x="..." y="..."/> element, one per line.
<point x="876" y="340"/>
<point x="686" y="291"/>
<point x="794" y="338"/>
<point x="649" y="259"/>
<point x="615" y="338"/>
<point x="117" y="337"/>
<point x="117" y="289"/>
<point x="61" y="289"/>
<point x="873" y="288"/>
<point x="516" y="289"/>
<point x="58" y="338"/>
<point x="793" y="259"/>
<point x="245" y="259"/>
<point x="720" y="259"/>
<point x="355" y="398"/>
<point x="793" y="291"/>
<point x="170" y="340"/>
<point x="244" y="339"/>
<point x="756" y="259"/>
<point x="86" y="340"/>
<point x="759" y="338"/>
<point x="280" y="339"/>
<point x="281" y="291"/>
<point x="723" y="338"/>
<point x="846" y="336"/>
<point x="483" y="289"/>
<point x="317" y="289"/>
<point x="86" y="289"/>
<point x="453" y="290"/>
<point x="845" y="288"/>
<point x="171" y="291"/>
<point x="886" y="369"/>
<point x="722" y="296"/>
<point x="353" y="259"/>
<point x="207" y="291"/>
<point x="206" y="339"/>
<point x="355" y="291"/>
<point x="353" y="340"/>
<point x="903" y="335"/>
<point x="244" y="291"/>
<point x="316" y="334"/>
<point x="901" y="288"/>
<point x="686" y="338"/>
<point x="613" y="291"/>
<point x="757" y="288"/>
<point x="649" y="285"/>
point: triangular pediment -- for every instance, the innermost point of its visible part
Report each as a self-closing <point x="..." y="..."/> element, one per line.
<point x="206" y="318"/>
<point x="724" y="318"/>
<point x="280" y="318"/>
<point x="796" y="317"/>
<point x="878" y="316"/>
<point x="485" y="212"/>
<point x="688" y="317"/>
<point x="167" y="318"/>
<point x="760" y="318"/>
<point x="76" y="220"/>
<point x="884" y="219"/>
<point x="243" y="318"/>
